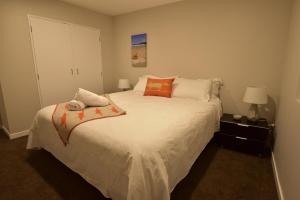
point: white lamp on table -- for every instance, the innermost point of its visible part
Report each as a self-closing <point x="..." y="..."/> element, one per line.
<point x="255" y="96"/>
<point x="124" y="84"/>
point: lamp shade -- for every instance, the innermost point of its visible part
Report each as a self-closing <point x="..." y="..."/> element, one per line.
<point x="256" y="95"/>
<point x="124" y="84"/>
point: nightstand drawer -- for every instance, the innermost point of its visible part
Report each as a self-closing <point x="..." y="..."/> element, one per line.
<point x="244" y="134"/>
<point x="244" y="131"/>
<point x="241" y="143"/>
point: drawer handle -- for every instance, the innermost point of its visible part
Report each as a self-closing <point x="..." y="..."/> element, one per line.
<point x="241" y="138"/>
<point x="239" y="124"/>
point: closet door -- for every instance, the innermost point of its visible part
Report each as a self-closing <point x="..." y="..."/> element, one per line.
<point x="53" y="60"/>
<point x="86" y="51"/>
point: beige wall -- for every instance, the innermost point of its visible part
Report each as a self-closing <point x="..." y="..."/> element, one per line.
<point x="239" y="41"/>
<point x="242" y="42"/>
<point x="287" y="146"/>
<point x="16" y="62"/>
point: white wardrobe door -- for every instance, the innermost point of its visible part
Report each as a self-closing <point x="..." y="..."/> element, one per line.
<point x="87" y="58"/>
<point x="53" y="59"/>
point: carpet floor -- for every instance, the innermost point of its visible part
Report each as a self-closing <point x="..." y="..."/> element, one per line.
<point x="218" y="174"/>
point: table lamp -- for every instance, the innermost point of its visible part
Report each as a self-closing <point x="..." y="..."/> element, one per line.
<point x="255" y="96"/>
<point x="124" y="84"/>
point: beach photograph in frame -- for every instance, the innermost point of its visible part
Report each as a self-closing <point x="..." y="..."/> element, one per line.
<point x="138" y="50"/>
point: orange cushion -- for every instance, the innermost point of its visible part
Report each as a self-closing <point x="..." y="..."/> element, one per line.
<point x="159" y="87"/>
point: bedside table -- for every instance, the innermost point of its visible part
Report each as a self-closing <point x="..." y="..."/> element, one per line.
<point x="244" y="135"/>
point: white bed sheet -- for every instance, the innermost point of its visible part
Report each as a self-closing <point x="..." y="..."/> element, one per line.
<point x="141" y="155"/>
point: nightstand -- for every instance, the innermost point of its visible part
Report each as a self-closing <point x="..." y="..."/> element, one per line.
<point x="244" y="135"/>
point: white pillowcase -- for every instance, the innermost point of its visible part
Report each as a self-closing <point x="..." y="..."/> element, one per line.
<point x="90" y="99"/>
<point x="192" y="88"/>
<point x="141" y="84"/>
<point x="217" y="83"/>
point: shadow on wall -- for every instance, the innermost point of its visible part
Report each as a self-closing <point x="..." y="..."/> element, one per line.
<point x="228" y="100"/>
<point x="3" y="121"/>
<point x="268" y="111"/>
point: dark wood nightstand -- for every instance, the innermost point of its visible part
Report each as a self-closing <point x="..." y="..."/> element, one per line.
<point x="244" y="135"/>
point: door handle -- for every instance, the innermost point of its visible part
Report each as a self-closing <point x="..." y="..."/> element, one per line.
<point x="72" y="71"/>
<point x="77" y="71"/>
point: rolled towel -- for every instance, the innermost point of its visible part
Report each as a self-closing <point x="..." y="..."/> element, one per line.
<point x="90" y="99"/>
<point x="75" y="105"/>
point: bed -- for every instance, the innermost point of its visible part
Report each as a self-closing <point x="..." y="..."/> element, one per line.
<point x="140" y="155"/>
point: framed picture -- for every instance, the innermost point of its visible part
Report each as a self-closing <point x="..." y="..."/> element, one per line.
<point x="139" y="50"/>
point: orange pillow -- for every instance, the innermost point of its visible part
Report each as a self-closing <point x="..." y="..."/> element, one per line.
<point x="159" y="87"/>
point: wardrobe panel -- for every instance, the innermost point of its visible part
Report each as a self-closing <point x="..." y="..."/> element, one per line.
<point x="53" y="60"/>
<point x="86" y="51"/>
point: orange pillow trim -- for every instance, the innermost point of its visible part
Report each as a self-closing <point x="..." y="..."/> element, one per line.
<point x="159" y="87"/>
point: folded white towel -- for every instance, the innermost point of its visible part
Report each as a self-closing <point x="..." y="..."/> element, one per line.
<point x="75" y="105"/>
<point x="90" y="99"/>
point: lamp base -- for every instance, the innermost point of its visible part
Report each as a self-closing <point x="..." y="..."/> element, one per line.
<point x="253" y="113"/>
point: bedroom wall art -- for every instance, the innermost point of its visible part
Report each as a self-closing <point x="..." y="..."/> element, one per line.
<point x="139" y="50"/>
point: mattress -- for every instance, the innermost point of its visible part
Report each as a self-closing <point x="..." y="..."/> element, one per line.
<point x="140" y="155"/>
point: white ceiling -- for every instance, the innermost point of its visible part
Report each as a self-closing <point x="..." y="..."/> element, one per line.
<point x="117" y="7"/>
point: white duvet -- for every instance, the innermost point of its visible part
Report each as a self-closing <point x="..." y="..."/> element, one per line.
<point x="138" y="156"/>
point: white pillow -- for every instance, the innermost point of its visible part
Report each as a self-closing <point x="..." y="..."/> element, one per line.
<point x="192" y="88"/>
<point x="217" y="83"/>
<point x="90" y="99"/>
<point x="141" y="84"/>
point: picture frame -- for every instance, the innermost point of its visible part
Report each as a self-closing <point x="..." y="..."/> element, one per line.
<point x="139" y="50"/>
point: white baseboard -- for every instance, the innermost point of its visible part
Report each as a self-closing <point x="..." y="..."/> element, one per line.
<point x="5" y="130"/>
<point x="277" y="180"/>
<point x="15" y="135"/>
<point x="18" y="134"/>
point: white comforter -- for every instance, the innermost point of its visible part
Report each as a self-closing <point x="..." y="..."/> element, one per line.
<point x="138" y="156"/>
